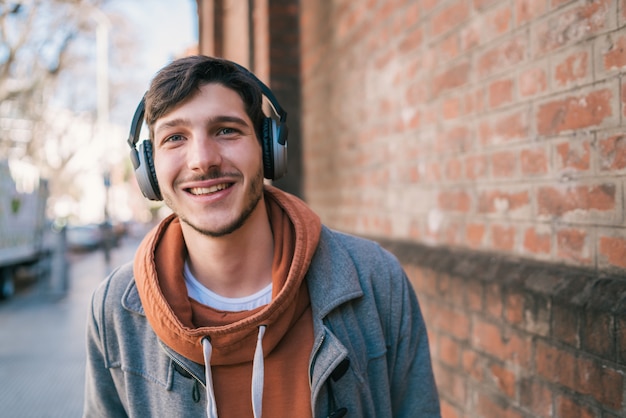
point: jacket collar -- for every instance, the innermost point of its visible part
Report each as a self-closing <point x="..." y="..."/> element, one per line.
<point x="131" y="301"/>
<point x="332" y="278"/>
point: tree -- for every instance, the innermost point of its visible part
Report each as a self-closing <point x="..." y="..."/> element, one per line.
<point x="47" y="75"/>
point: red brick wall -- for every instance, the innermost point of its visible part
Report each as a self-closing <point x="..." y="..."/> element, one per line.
<point x="522" y="340"/>
<point x="484" y="142"/>
<point x="491" y="125"/>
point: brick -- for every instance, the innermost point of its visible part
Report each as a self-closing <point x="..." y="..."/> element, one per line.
<point x="558" y="201"/>
<point x="566" y="407"/>
<point x="602" y="382"/>
<point x="537" y="242"/>
<point x="572" y="68"/>
<point x="469" y="36"/>
<point x="565" y="325"/>
<point x="497" y="22"/>
<point x="455" y="201"/>
<point x="615" y="56"/>
<point x="450" y="384"/>
<point x="475" y="102"/>
<point x="555" y="365"/>
<point x="433" y="172"/>
<point x="580" y="374"/>
<point x="503" y="379"/>
<point x="502" y="57"/>
<point x="427" y="6"/>
<point x="449" y="47"/>
<point x="454" y="169"/>
<point x="474" y="296"/>
<point x="453" y="322"/>
<point x="473" y="365"/>
<point x="450" y="288"/>
<point x="493" y="300"/>
<point x="575" y="112"/>
<point x="455" y="139"/>
<point x="613" y="249"/>
<point x="612" y="152"/>
<point x="476" y="167"/>
<point x="411" y="41"/>
<point x="537" y="314"/>
<point x="573" y="244"/>
<point x="449" y="411"/>
<point x="527" y="10"/>
<point x="502" y="343"/>
<point x="448" y="351"/>
<point x="450" y="17"/>
<point x="451" y="78"/>
<point x="505" y="128"/>
<point x="532" y="81"/>
<point x="572" y="25"/>
<point x="483" y="4"/>
<point x="504" y="164"/>
<point x="500" y="201"/>
<point x="514" y="307"/>
<point x="534" y="161"/>
<point x="503" y="237"/>
<point x="500" y="92"/>
<point x="536" y="397"/>
<point x="416" y="94"/>
<point x="597" y="336"/>
<point x="574" y="155"/>
<point x="451" y="108"/>
<point x="489" y="407"/>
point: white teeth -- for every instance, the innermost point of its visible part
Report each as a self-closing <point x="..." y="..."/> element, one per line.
<point x="207" y="190"/>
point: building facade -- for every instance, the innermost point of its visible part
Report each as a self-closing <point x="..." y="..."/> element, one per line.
<point x="483" y="142"/>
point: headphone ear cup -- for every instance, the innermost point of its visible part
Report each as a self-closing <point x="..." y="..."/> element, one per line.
<point x="267" y="143"/>
<point x="145" y="172"/>
<point x="279" y="148"/>
<point x="274" y="149"/>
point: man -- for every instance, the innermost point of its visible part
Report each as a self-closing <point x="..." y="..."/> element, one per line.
<point x="241" y="303"/>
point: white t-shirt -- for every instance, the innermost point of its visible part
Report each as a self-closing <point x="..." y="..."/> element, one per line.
<point x="202" y="294"/>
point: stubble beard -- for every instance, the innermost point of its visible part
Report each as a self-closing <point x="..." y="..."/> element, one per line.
<point x="253" y="196"/>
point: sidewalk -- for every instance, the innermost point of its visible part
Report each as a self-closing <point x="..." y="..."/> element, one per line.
<point x="42" y="341"/>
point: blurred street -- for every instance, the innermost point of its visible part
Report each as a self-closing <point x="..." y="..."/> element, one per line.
<point x="42" y="343"/>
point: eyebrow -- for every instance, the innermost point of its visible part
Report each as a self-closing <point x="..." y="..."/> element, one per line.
<point x="185" y="122"/>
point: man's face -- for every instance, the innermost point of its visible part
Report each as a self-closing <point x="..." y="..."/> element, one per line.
<point x="208" y="161"/>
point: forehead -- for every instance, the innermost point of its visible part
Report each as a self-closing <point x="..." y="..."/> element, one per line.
<point x="209" y="100"/>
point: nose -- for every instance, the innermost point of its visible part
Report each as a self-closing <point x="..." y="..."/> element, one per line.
<point x="203" y="153"/>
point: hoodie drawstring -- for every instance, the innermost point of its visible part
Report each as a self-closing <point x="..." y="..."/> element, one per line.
<point x="211" y="406"/>
<point x="258" y="374"/>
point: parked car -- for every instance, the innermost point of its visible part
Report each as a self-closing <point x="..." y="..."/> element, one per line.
<point x="84" y="237"/>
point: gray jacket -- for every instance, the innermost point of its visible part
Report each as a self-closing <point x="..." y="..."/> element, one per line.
<point x="370" y="355"/>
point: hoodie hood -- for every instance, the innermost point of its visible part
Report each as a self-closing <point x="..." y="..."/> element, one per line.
<point x="182" y="323"/>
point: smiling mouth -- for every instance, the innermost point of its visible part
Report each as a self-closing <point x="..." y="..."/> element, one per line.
<point x="199" y="191"/>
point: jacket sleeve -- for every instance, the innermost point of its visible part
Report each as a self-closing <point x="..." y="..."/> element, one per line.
<point x="413" y="388"/>
<point x="101" y="395"/>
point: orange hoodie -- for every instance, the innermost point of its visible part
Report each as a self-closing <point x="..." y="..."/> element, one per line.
<point x="182" y="323"/>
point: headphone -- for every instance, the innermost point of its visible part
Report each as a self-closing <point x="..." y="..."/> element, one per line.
<point x="273" y="143"/>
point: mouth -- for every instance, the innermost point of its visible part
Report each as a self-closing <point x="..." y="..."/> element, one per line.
<point x="204" y="191"/>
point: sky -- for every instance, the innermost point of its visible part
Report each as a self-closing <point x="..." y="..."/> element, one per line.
<point x="159" y="31"/>
<point x="165" y="28"/>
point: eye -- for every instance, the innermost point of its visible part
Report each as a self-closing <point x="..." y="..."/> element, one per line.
<point x="227" y="131"/>
<point x="174" y="138"/>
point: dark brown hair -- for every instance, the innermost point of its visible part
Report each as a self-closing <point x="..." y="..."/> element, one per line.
<point x="182" y="79"/>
